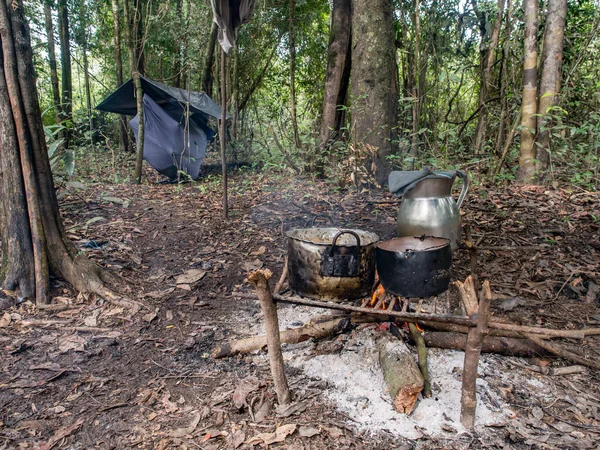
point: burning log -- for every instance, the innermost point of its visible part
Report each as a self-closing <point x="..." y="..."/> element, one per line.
<point x="400" y="372"/>
<point x="317" y="328"/>
<point x="260" y="280"/>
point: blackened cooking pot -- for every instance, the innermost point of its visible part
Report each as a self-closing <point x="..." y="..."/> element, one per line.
<point x="331" y="263"/>
<point x="414" y="266"/>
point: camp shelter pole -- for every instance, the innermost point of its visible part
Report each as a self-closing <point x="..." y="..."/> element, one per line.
<point x="139" y="97"/>
<point x="222" y="132"/>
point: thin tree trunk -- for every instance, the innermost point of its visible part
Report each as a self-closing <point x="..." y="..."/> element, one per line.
<point x="235" y="96"/>
<point x="138" y="36"/>
<point x="207" y="76"/>
<point x="223" y="132"/>
<point x="506" y="46"/>
<point x="416" y="109"/>
<point x="123" y="136"/>
<point x="374" y="89"/>
<point x="256" y="82"/>
<point x="177" y="67"/>
<point x="550" y="80"/>
<point x="65" y="64"/>
<point x="488" y="57"/>
<point x="36" y="235"/>
<point x="52" y="61"/>
<point x="529" y="104"/>
<point x="337" y="77"/>
<point x="139" y="93"/>
<point x="293" y="75"/>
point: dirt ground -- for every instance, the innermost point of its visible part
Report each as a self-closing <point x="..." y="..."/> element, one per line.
<point x="88" y="374"/>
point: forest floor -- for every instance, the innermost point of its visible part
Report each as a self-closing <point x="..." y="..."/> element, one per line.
<point x="89" y="374"/>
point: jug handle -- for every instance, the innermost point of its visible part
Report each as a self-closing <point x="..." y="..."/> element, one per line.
<point x="465" y="187"/>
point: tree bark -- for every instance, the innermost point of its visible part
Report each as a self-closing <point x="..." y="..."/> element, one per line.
<point x="52" y="61"/>
<point x="293" y="75"/>
<point x="207" y="76"/>
<point x="123" y="135"/>
<point x="400" y="372"/>
<point x="374" y="89"/>
<point x="65" y="65"/>
<point x="488" y="57"/>
<point x="550" y="81"/>
<point x="34" y="233"/>
<point x="337" y="78"/>
<point x="529" y="104"/>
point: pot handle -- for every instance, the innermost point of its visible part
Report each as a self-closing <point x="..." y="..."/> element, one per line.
<point x="311" y="223"/>
<point x="465" y="187"/>
<point x="335" y="238"/>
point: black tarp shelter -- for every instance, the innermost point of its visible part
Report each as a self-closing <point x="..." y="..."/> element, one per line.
<point x="171" y="143"/>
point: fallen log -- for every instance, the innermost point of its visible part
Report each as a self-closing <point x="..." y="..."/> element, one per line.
<point x="491" y="344"/>
<point x="400" y="372"/>
<point x="558" y="350"/>
<point x="317" y="328"/>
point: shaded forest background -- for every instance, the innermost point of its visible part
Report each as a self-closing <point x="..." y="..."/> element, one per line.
<point x="447" y="90"/>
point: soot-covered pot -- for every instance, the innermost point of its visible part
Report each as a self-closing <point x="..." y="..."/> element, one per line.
<point x="331" y="263"/>
<point x="414" y="267"/>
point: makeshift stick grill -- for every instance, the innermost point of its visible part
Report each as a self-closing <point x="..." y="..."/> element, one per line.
<point x="477" y="324"/>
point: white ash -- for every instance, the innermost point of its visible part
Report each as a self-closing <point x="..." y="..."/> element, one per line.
<point x="356" y="387"/>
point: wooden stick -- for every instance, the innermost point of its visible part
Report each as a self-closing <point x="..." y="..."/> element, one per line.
<point x="563" y="352"/>
<point x="422" y="354"/>
<point x="314" y="329"/>
<point x="284" y="273"/>
<point x="472" y="256"/>
<point x="260" y="280"/>
<point x="396" y="315"/>
<point x="468" y="294"/>
<point x="472" y="351"/>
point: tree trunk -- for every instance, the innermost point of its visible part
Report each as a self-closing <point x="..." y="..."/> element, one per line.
<point x="337" y="77"/>
<point x="504" y="122"/>
<point x="139" y="93"/>
<point x="529" y="104"/>
<point x="550" y="81"/>
<point x="83" y="25"/>
<point x="177" y="67"/>
<point x="32" y="229"/>
<point x="488" y="57"/>
<point x="65" y="65"/>
<point x="207" y="76"/>
<point x="123" y="136"/>
<point x="52" y="61"/>
<point x="416" y="109"/>
<point x="293" y="75"/>
<point x="374" y="89"/>
<point x="138" y="35"/>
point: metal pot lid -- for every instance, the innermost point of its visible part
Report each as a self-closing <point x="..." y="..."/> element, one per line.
<point x="414" y="244"/>
<point x="324" y="236"/>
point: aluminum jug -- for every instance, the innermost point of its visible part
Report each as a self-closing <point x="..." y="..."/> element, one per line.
<point x="429" y="208"/>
